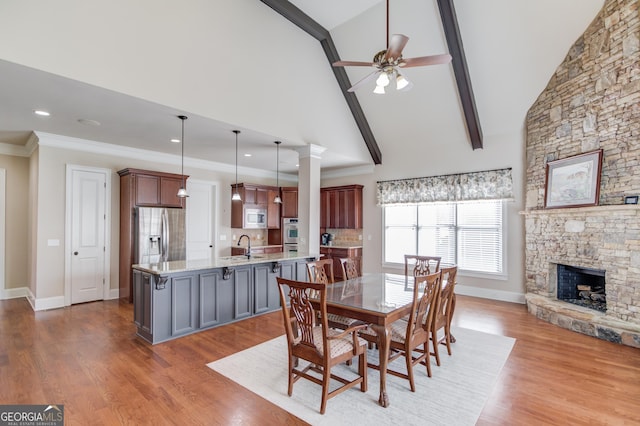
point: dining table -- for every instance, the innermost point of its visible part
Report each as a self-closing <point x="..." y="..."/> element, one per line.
<point x="377" y="299"/>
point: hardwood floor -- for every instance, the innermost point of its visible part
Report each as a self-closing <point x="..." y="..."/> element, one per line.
<point x="88" y="358"/>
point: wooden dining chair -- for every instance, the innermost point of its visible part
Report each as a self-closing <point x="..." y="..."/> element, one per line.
<point x="410" y="337"/>
<point x="313" y="341"/>
<point x="441" y="331"/>
<point x="349" y="268"/>
<point x="321" y="271"/>
<point x="421" y="265"/>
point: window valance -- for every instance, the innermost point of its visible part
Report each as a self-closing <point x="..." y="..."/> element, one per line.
<point x="486" y="185"/>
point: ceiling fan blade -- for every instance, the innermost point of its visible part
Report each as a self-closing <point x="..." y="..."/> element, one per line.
<point x="426" y="60"/>
<point x="367" y="78"/>
<point x="352" y="64"/>
<point x="396" y="45"/>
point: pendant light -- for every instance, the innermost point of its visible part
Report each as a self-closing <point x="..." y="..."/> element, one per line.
<point x="236" y="195"/>
<point x="277" y="200"/>
<point x="182" y="192"/>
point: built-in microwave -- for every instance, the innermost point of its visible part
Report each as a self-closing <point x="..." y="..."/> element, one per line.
<point x="255" y="218"/>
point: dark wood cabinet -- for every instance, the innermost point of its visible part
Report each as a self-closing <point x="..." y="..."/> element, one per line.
<point x="255" y="195"/>
<point x="341" y="207"/>
<point x="141" y="188"/>
<point x="289" y="201"/>
<point x="336" y="253"/>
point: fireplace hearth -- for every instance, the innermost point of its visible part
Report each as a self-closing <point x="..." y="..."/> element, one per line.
<point x="582" y="286"/>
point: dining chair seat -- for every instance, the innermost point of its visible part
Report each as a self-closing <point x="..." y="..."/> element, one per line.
<point x="337" y="345"/>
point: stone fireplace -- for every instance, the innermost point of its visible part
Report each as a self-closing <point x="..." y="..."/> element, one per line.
<point x="591" y="102"/>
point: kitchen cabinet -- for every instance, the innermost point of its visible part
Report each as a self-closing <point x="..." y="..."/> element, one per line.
<point x="289" y="197"/>
<point x="341" y="207"/>
<point x="242" y="295"/>
<point x="152" y="189"/>
<point x="273" y="210"/>
<point x="141" y="188"/>
<point x="266" y="296"/>
<point x="255" y="195"/>
<point x="336" y="253"/>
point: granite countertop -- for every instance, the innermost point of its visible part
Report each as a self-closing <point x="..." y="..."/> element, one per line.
<point x="165" y="268"/>
<point x="343" y="246"/>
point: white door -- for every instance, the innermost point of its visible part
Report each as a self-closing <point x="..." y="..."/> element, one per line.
<point x="88" y="228"/>
<point x="200" y="220"/>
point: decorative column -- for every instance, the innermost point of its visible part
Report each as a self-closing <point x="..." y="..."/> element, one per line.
<point x="309" y="198"/>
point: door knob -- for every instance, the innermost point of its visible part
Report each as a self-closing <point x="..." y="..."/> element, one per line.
<point x="75" y="253"/>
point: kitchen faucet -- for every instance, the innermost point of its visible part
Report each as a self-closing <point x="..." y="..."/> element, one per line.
<point x="248" y="253"/>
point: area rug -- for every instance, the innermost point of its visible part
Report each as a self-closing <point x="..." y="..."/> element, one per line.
<point x="455" y="395"/>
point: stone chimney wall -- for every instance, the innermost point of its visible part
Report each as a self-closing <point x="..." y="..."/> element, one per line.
<point x="591" y="102"/>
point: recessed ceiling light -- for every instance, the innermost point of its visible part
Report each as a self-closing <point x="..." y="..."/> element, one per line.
<point x="247" y="155"/>
<point x="174" y="140"/>
<point x="88" y="122"/>
<point x="41" y="112"/>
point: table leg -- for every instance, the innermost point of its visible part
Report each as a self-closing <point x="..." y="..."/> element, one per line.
<point x="384" y="342"/>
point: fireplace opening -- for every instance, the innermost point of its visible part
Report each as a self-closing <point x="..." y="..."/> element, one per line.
<point x="582" y="286"/>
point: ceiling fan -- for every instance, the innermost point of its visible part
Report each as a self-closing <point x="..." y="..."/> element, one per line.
<point x="389" y="61"/>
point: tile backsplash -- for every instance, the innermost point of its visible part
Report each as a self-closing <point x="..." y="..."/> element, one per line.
<point x="345" y="236"/>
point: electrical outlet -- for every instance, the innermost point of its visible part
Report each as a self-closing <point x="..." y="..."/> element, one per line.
<point x="233" y="237"/>
<point x="369" y="237"/>
<point x="360" y="237"/>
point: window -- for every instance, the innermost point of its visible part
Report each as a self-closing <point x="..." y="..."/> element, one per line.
<point x="468" y="234"/>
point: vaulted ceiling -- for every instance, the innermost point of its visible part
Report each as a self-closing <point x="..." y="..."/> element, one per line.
<point x="242" y="65"/>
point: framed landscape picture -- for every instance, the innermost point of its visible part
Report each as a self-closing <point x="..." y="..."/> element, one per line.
<point x="574" y="181"/>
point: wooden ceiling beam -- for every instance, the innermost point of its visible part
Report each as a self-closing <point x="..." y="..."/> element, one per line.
<point x="304" y="22"/>
<point x="461" y="71"/>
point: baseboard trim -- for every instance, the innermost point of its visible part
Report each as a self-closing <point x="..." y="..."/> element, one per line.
<point x="487" y="293"/>
<point x="114" y="293"/>
<point x="44" y="303"/>
<point x="14" y="293"/>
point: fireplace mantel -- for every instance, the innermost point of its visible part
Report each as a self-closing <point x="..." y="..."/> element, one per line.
<point x="581" y="210"/>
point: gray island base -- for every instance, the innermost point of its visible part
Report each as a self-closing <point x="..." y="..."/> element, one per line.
<point x="174" y="299"/>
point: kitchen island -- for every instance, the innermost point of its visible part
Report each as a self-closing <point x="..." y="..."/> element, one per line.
<point x="174" y="299"/>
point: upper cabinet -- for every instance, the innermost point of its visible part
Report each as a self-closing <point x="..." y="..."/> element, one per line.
<point x="255" y="196"/>
<point x="152" y="189"/>
<point x="341" y="207"/>
<point x="289" y="201"/>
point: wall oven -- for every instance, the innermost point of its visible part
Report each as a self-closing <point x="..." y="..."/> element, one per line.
<point x="290" y="234"/>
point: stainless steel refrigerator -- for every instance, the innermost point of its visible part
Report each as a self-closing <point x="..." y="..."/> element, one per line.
<point x="160" y="235"/>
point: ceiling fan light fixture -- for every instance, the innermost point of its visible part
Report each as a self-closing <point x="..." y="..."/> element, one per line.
<point x="379" y="90"/>
<point x="383" y="79"/>
<point x="401" y="82"/>
<point x="182" y="192"/>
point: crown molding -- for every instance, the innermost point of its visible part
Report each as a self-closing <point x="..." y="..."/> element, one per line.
<point x="85" y="145"/>
<point x="348" y="171"/>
